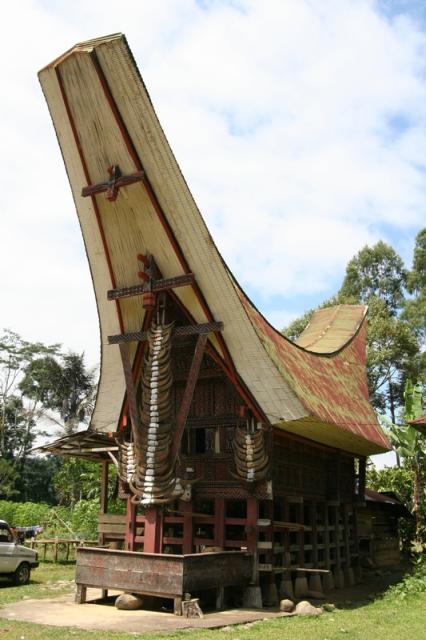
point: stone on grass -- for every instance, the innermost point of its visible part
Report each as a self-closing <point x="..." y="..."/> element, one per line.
<point x="305" y="608"/>
<point x="286" y="605"/>
<point x="128" y="602"/>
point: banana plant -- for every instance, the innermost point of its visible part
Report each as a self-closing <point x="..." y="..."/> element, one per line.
<point x="410" y="445"/>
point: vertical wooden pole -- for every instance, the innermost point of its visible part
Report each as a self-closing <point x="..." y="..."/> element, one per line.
<point x="355" y="539"/>
<point x="104" y="496"/>
<point x="361" y="479"/>
<point x="326" y="537"/>
<point x="346" y="535"/>
<point x="153" y="533"/>
<point x="129" y="538"/>
<point x="219" y="522"/>
<point x="314" y="533"/>
<point x="301" y="535"/>
<point x="188" y="527"/>
<point x="251" y="526"/>
<point x="286" y="535"/>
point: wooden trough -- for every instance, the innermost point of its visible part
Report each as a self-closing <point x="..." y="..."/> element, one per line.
<point x="164" y="575"/>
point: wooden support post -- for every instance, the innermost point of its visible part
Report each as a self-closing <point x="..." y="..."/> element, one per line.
<point x="286" y="515"/>
<point x="80" y="594"/>
<point x="220" y="598"/>
<point x="130" y="533"/>
<point x="338" y="573"/>
<point x="104" y="496"/>
<point x="177" y="605"/>
<point x="301" y="582"/>
<point x="153" y="533"/>
<point x="326" y="537"/>
<point x="314" y="533"/>
<point x="361" y="479"/>
<point x="188" y="527"/>
<point x="251" y="528"/>
<point x="219" y="522"/>
<point x="346" y="535"/>
<point x="301" y="536"/>
<point x="355" y="538"/>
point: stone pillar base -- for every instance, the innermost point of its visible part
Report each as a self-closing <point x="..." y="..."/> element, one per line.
<point x="270" y="594"/>
<point x="349" y="576"/>
<point x="301" y="587"/>
<point x="328" y="582"/>
<point x="252" y="597"/>
<point x="315" y="582"/>
<point x="339" y="579"/>
<point x="286" y="588"/>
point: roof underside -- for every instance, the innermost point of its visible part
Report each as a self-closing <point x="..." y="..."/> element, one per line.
<point x="103" y="116"/>
<point x="419" y="424"/>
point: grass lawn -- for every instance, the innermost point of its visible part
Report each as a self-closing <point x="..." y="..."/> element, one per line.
<point x="46" y="581"/>
<point x="388" y="618"/>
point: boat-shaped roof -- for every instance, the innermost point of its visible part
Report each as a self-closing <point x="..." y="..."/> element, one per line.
<point x="104" y="117"/>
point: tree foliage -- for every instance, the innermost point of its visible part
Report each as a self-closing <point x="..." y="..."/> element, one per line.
<point x="376" y="272"/>
<point x="40" y="386"/>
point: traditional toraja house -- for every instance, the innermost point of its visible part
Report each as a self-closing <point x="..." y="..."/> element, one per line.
<point x="225" y="434"/>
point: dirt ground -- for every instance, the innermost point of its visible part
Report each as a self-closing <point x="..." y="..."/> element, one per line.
<point x="102" y="615"/>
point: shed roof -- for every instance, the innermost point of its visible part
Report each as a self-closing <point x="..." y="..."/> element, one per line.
<point x="419" y="424"/>
<point x="103" y="117"/>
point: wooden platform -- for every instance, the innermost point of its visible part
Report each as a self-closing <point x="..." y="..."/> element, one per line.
<point x="163" y="575"/>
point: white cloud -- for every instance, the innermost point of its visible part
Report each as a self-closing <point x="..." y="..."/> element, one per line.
<point x="299" y="125"/>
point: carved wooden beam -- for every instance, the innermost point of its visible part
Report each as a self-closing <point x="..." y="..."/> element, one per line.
<point x="157" y="285"/>
<point x="188" y="393"/>
<point x="189" y="330"/>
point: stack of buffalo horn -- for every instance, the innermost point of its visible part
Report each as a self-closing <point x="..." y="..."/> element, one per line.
<point x="126" y="461"/>
<point x="250" y="457"/>
<point x="154" y="480"/>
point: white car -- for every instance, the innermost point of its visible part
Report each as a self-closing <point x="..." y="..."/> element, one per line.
<point x="16" y="560"/>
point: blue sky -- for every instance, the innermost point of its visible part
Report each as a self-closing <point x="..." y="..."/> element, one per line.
<point x="300" y="126"/>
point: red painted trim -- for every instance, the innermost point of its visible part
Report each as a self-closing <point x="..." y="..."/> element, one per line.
<point x="87" y="176"/>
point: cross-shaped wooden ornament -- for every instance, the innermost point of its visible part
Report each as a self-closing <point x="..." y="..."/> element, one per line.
<point x="111" y="186"/>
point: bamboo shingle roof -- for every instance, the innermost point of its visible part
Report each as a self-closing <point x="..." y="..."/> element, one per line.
<point x="103" y="117"/>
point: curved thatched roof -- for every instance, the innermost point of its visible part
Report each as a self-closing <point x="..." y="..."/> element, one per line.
<point x="103" y="116"/>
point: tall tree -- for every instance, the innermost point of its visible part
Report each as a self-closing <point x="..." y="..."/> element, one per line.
<point x="17" y="418"/>
<point x="376" y="272"/>
<point x="64" y="386"/>
<point x="415" y="307"/>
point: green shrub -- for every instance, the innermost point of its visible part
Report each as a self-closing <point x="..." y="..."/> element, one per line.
<point x="85" y="518"/>
<point x="413" y="583"/>
<point x="7" y="511"/>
